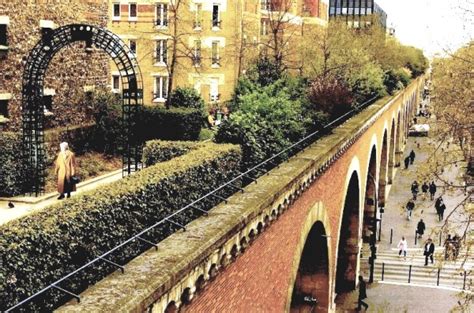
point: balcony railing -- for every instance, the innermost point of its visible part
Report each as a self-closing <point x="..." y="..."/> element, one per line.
<point x="216" y="60"/>
<point x="216" y="23"/>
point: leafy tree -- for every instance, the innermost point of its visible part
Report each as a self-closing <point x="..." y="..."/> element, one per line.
<point x="330" y="96"/>
<point x="368" y="82"/>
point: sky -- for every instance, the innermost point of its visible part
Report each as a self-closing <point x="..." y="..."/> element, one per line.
<point x="432" y="25"/>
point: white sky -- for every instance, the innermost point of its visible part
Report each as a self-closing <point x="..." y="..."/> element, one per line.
<point x="432" y="25"/>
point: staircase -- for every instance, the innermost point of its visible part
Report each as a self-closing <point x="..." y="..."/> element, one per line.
<point x="389" y="267"/>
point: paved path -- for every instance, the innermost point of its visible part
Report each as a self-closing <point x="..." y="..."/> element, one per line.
<point x="397" y="296"/>
<point x="25" y="205"/>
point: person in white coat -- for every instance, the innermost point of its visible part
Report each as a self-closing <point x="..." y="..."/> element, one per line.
<point x="402" y="247"/>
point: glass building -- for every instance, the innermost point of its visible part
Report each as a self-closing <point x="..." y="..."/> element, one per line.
<point x="355" y="12"/>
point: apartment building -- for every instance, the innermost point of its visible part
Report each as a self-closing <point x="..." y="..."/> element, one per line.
<point x="203" y="44"/>
<point x="357" y="13"/>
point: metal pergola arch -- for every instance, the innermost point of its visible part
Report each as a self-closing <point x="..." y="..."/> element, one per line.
<point x="32" y="94"/>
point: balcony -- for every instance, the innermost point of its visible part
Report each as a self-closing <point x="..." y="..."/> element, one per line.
<point x="215" y="62"/>
<point x="216" y="24"/>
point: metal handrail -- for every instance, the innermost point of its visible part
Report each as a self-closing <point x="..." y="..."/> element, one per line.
<point x="190" y="205"/>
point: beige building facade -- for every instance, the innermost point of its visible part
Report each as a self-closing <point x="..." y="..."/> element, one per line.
<point x="203" y="44"/>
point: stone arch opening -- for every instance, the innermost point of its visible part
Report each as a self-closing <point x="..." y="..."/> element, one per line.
<point x="171" y="307"/>
<point x="200" y="283"/>
<point x="398" y="148"/>
<point x="370" y="200"/>
<point x="312" y="278"/>
<point x="383" y="170"/>
<point x="391" y="153"/>
<point x="34" y="74"/>
<point x="348" y="248"/>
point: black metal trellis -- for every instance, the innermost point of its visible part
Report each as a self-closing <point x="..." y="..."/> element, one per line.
<point x="32" y="95"/>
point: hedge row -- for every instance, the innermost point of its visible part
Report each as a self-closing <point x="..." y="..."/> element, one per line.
<point x="156" y="151"/>
<point x="170" y="124"/>
<point x="45" y="246"/>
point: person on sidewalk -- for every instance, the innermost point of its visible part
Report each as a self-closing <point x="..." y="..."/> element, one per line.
<point x="448" y="248"/>
<point x="440" y="210"/>
<point x="412" y="157"/>
<point x="362" y="294"/>
<point x="414" y="189"/>
<point x="424" y="189"/>
<point x="402" y="247"/>
<point x="432" y="190"/>
<point x="438" y="203"/>
<point x="420" y="228"/>
<point x="407" y="162"/>
<point x="65" y="169"/>
<point x="429" y="251"/>
<point x="410" y="206"/>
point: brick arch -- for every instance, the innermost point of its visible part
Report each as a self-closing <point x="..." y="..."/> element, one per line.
<point x="316" y="213"/>
<point x="383" y="167"/>
<point x="350" y="221"/>
<point x="391" y="151"/>
<point x="398" y="145"/>
<point x="370" y="196"/>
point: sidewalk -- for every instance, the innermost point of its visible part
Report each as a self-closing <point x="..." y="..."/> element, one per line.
<point x="394" y="217"/>
<point x="388" y="298"/>
<point x="27" y="205"/>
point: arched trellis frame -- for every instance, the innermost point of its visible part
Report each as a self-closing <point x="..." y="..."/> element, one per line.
<point x="32" y="95"/>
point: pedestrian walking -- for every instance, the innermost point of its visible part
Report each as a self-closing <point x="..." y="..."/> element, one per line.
<point x="424" y="189"/>
<point x="429" y="251"/>
<point x="362" y="294"/>
<point x="449" y="248"/>
<point x="420" y="228"/>
<point x="65" y="169"/>
<point x="412" y="156"/>
<point x="410" y="206"/>
<point x="402" y="248"/>
<point x="441" y="210"/>
<point x="438" y="202"/>
<point x="414" y="189"/>
<point x="432" y="190"/>
<point x="407" y="162"/>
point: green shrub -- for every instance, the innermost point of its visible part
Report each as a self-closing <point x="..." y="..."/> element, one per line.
<point x="186" y="97"/>
<point x="267" y="121"/>
<point x="170" y="124"/>
<point x="396" y="80"/>
<point x="12" y="165"/>
<point x="81" y="139"/>
<point x="38" y="249"/>
<point x="156" y="151"/>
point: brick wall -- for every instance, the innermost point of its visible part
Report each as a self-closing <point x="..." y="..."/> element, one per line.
<point x="70" y="70"/>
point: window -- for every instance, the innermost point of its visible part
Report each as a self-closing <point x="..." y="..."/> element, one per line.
<point x="115" y="83"/>
<point x="197" y="52"/>
<point x="265" y="5"/>
<point x="198" y="16"/>
<point x="4" y="22"/>
<point x="133" y="47"/>
<point x="162" y="14"/>
<point x="160" y="91"/>
<point x="161" y="52"/>
<point x="3" y="35"/>
<point x="215" y="53"/>
<point x="116" y="11"/>
<point x="264" y="27"/>
<point x="132" y="11"/>
<point x="4" y="108"/>
<point x="215" y="16"/>
<point x="48" y="105"/>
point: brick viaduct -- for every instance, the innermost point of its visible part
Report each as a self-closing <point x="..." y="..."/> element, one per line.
<point x="299" y="229"/>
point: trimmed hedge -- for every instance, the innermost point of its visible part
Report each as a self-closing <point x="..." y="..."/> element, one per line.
<point x="170" y="124"/>
<point x="12" y="166"/>
<point x="38" y="249"/>
<point x="156" y="151"/>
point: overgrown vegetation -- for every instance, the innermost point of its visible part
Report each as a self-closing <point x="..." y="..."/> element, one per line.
<point x="45" y="246"/>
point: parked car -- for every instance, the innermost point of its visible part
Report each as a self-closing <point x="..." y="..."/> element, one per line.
<point x="419" y="130"/>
